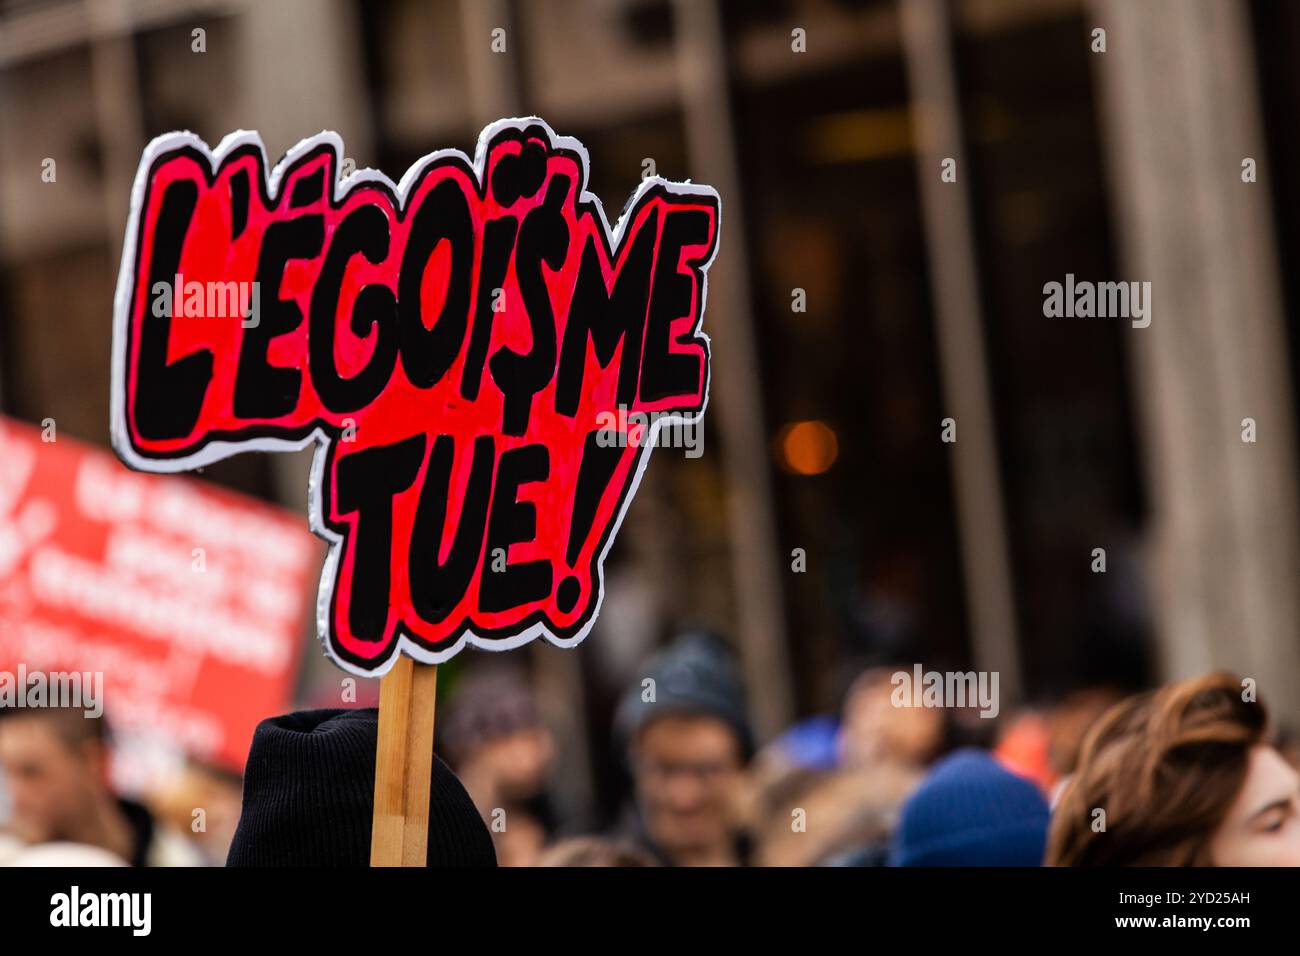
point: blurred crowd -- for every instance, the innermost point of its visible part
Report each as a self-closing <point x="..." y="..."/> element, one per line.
<point x="1191" y="773"/>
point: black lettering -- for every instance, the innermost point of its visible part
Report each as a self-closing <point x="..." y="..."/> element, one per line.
<point x="543" y="239"/>
<point x="308" y="189"/>
<point x="428" y="353"/>
<point x="368" y="480"/>
<point x="607" y="317"/>
<point x="513" y="521"/>
<point x="437" y="586"/>
<point x="364" y="232"/>
<point x="261" y="389"/>
<point x="598" y="466"/>
<point x="238" y="204"/>
<point x="665" y="373"/>
<point x="498" y="244"/>
<point x="168" y="398"/>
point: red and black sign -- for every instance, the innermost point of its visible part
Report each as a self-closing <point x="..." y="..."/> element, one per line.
<point x="455" y="345"/>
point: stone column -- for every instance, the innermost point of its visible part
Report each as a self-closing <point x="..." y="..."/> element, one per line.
<point x="1180" y="113"/>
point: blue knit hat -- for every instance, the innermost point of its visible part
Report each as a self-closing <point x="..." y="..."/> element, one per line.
<point x="971" y="811"/>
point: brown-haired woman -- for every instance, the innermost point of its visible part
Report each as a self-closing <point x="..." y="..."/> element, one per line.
<point x="1182" y="776"/>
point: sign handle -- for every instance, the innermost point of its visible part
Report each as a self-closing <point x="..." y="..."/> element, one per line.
<point x="404" y="764"/>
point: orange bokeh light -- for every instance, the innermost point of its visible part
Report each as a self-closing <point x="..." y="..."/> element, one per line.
<point x="807" y="448"/>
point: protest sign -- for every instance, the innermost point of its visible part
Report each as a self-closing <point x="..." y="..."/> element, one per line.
<point x="453" y="344"/>
<point x="456" y="346"/>
<point x="182" y="603"/>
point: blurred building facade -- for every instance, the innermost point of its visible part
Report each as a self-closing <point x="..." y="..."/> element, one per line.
<point x="859" y="301"/>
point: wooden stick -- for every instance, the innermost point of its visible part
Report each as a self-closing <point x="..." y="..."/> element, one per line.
<point x="404" y="764"/>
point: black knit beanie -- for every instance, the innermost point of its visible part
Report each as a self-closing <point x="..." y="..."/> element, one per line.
<point x="309" y="797"/>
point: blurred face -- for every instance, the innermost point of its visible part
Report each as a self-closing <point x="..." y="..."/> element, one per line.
<point x="520" y="843"/>
<point x="518" y="762"/>
<point x="688" y="769"/>
<point x="50" y="783"/>
<point x="1262" y="827"/>
<point x="875" y="731"/>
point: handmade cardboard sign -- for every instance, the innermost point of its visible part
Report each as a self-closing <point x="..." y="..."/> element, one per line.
<point x="483" y="364"/>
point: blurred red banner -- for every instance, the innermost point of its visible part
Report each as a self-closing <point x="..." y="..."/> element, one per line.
<point x="189" y="599"/>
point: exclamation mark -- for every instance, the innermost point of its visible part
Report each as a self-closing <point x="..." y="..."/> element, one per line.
<point x="597" y="468"/>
